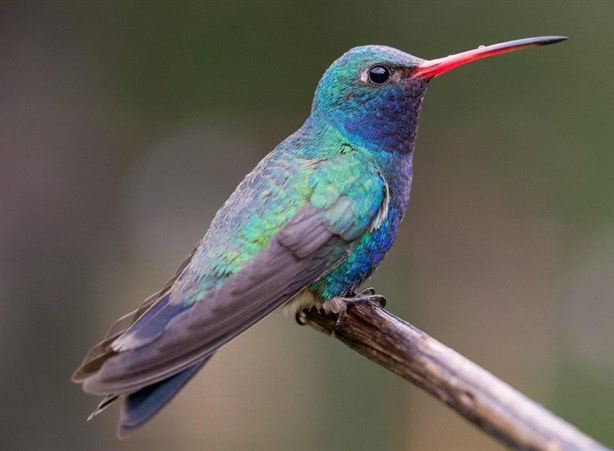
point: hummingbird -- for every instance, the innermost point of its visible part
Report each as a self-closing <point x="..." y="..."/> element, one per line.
<point x="304" y="229"/>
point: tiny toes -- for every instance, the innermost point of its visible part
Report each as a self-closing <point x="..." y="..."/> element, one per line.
<point x="367" y="291"/>
<point x="367" y="295"/>
<point x="375" y="299"/>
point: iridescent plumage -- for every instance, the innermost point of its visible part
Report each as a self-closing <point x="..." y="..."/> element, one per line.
<point x="316" y="216"/>
<point x="312" y="221"/>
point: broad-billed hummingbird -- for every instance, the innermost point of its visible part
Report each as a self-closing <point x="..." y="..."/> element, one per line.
<point x="306" y="228"/>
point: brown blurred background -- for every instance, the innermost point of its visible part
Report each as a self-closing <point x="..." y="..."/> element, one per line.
<point x="125" y="125"/>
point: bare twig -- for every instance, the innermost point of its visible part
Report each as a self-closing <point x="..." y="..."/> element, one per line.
<point x="486" y="401"/>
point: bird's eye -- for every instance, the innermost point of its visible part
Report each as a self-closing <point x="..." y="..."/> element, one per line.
<point x="379" y="75"/>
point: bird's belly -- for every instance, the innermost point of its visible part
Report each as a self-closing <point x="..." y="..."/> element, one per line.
<point x="364" y="258"/>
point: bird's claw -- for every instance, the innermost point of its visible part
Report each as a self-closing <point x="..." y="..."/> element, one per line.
<point x="372" y="298"/>
<point x="339" y="304"/>
<point x="367" y="295"/>
<point x="366" y="291"/>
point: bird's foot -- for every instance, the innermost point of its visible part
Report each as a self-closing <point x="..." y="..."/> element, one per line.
<point x="366" y="295"/>
<point x="339" y="304"/>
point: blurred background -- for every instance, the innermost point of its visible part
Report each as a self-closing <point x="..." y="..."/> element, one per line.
<point x="125" y="125"/>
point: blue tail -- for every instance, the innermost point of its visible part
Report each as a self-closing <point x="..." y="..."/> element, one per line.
<point x="139" y="407"/>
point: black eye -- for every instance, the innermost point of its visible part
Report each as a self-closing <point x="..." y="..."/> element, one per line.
<point x="379" y="75"/>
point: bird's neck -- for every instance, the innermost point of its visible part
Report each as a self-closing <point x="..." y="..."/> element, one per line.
<point x="318" y="139"/>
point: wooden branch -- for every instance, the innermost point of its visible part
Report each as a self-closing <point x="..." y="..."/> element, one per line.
<point x="486" y="401"/>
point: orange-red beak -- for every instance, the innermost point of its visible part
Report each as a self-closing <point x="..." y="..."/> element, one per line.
<point x="436" y="67"/>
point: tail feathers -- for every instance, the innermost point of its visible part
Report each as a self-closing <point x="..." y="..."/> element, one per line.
<point x="102" y="405"/>
<point x="140" y="406"/>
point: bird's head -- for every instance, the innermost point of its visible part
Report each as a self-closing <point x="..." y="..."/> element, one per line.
<point x="372" y="94"/>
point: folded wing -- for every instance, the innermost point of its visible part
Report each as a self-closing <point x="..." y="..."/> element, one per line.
<point x="344" y="199"/>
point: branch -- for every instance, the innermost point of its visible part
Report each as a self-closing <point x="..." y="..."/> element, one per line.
<point x="486" y="401"/>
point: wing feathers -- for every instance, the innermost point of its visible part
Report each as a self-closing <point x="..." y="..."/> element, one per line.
<point x="267" y="281"/>
<point x="152" y="352"/>
<point x="102" y="351"/>
<point x="303" y="235"/>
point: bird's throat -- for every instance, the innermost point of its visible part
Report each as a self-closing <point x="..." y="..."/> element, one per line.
<point x="392" y="127"/>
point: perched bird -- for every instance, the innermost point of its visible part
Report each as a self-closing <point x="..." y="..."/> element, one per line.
<point x="307" y="226"/>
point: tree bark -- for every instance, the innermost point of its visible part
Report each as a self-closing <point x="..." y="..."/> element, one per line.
<point x="481" y="398"/>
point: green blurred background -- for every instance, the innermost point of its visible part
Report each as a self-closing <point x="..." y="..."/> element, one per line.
<point x="125" y="125"/>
